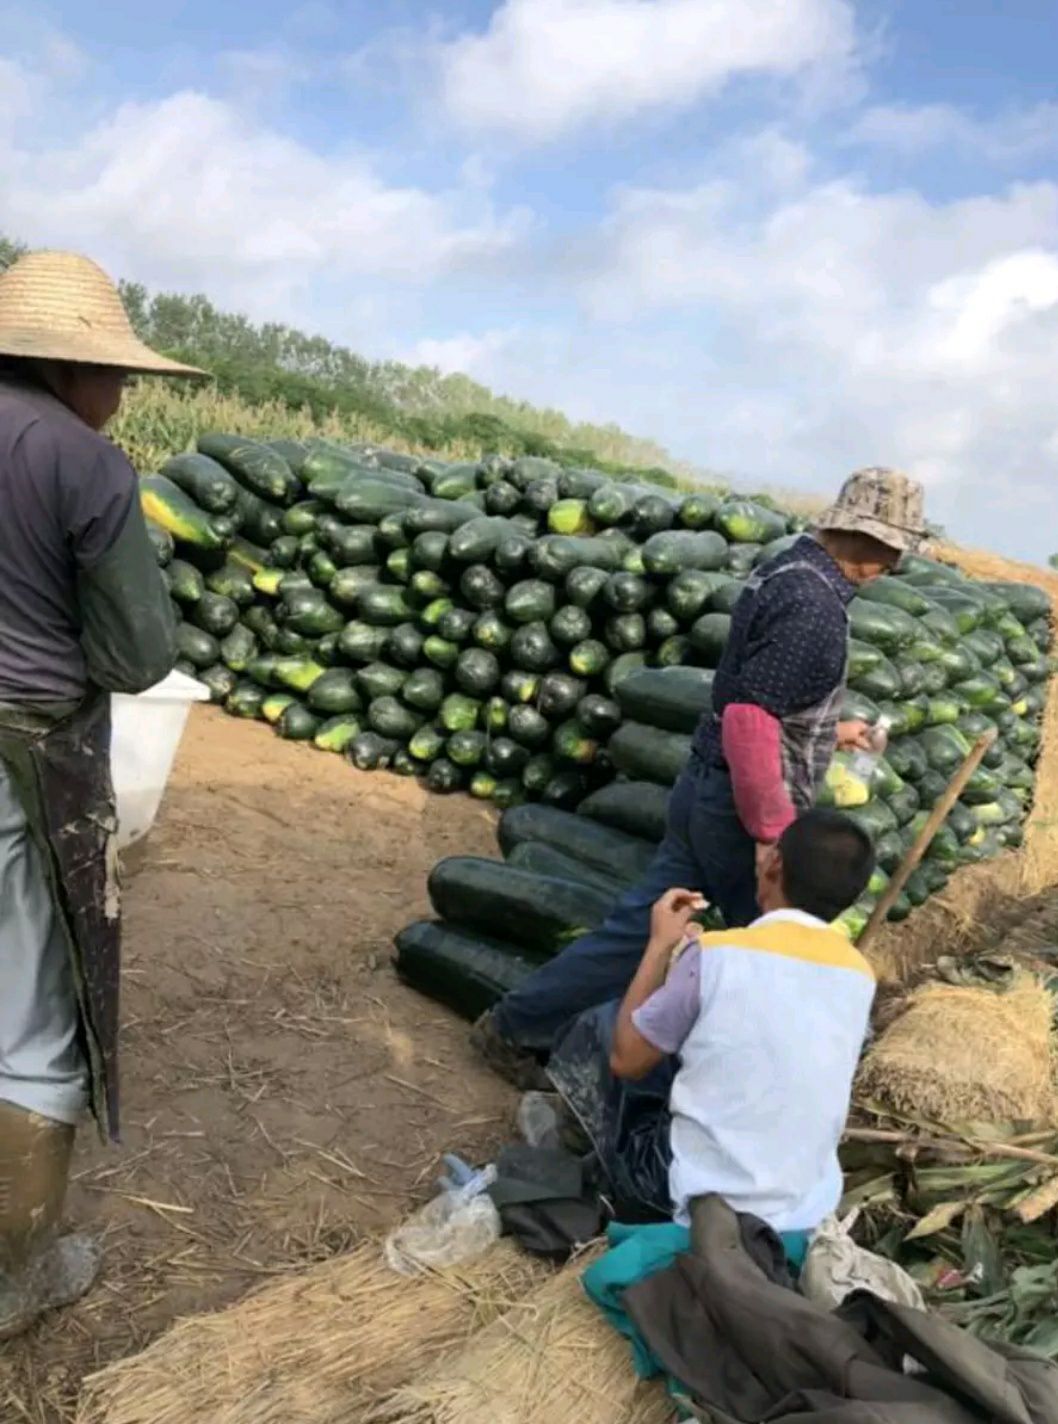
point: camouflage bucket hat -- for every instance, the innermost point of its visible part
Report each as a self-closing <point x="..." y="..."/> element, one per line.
<point x="883" y="503"/>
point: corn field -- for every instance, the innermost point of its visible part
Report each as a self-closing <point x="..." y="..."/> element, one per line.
<point x="158" y="420"/>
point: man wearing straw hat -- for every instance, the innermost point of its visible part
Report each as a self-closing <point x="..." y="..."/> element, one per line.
<point x="83" y="613"/>
<point x="759" y="756"/>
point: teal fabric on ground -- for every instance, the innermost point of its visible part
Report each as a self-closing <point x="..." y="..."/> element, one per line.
<point x="635" y="1253"/>
<point x="640" y="1251"/>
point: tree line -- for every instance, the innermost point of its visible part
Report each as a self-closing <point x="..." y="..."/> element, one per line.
<point x="274" y="362"/>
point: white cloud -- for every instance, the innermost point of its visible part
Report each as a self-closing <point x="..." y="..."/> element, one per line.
<point x="16" y="97"/>
<point x="909" y="129"/>
<point x="837" y="327"/>
<point x="189" y="190"/>
<point x="469" y="353"/>
<point x="545" y="66"/>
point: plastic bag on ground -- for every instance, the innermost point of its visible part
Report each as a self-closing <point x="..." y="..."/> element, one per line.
<point x="452" y="1228"/>
<point x="538" y="1119"/>
<point x="835" y="1267"/>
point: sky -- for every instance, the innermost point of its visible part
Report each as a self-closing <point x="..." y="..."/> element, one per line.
<point x="785" y="238"/>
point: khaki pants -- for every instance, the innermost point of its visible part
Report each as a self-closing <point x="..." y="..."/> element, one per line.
<point x="42" y="1066"/>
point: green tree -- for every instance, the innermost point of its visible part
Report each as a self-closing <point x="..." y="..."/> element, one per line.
<point x="273" y="361"/>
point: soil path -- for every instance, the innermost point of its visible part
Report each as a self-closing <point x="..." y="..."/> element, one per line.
<point x="283" y="1094"/>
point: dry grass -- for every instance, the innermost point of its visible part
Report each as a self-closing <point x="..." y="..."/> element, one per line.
<point x="158" y="420"/>
<point x="319" y="1346"/>
<point x="967" y="1055"/>
<point x="553" y="1359"/>
<point x="978" y="563"/>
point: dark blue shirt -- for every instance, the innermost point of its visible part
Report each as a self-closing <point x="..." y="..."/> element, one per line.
<point x="65" y="496"/>
<point x="787" y="647"/>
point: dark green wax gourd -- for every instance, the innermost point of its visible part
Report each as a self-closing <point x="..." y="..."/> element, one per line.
<point x="383" y="605"/>
<point x="537" y="911"/>
<point x="584" y="586"/>
<point x="465" y="970"/>
<point x="404" y="646"/>
<point x="687" y="595"/>
<point x="390" y="717"/>
<point x="539" y="858"/>
<point x="640" y="808"/>
<point x="197" y="646"/>
<point x="238" y="648"/>
<point x="456" y="624"/>
<point x="482" y="589"/>
<point x="530" y="601"/>
<point x="220" y="680"/>
<point x="532" y="649"/>
<point x="623" y="856"/>
<point x="477" y="672"/>
<point x="674" y="699"/>
<point x="297" y="724"/>
<point x="528" y="726"/>
<point x="674" y="552"/>
<point x="206" y="481"/>
<point x="186" y="583"/>
<point x="599" y="716"/>
<point x="444" y="776"/>
<point x="257" y="467"/>
<point x="162" y="542"/>
<point x="649" y="753"/>
<point x="335" y="691"/>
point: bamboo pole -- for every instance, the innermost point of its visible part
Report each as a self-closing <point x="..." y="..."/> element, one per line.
<point x="924" y="838"/>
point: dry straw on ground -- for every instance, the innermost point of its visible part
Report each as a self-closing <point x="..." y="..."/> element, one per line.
<point x="961" y="1055"/>
<point x="553" y="1359"/>
<point x="981" y="900"/>
<point x="316" y="1348"/>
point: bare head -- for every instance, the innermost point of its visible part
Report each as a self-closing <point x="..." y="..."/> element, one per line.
<point x="92" y="392"/>
<point x="821" y="864"/>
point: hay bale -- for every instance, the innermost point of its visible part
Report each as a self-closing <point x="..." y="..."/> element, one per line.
<point x="553" y="1359"/>
<point x="316" y="1347"/>
<point x="961" y="1055"/>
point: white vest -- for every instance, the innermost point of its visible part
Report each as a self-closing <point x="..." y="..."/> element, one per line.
<point x="762" y="1094"/>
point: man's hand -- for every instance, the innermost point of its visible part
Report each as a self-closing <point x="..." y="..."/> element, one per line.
<point x="854" y="736"/>
<point x="671" y="915"/>
<point x="633" y="1056"/>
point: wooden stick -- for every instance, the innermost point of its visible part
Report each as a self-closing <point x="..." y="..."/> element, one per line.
<point x="925" y="836"/>
<point x="971" y="1144"/>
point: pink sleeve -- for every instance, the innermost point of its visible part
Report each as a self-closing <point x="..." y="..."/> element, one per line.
<point x="752" y="743"/>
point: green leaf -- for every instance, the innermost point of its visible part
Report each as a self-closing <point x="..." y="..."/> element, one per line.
<point x="982" y="1257"/>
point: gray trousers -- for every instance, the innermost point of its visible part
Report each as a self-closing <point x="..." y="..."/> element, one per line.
<point x="42" y="1066"/>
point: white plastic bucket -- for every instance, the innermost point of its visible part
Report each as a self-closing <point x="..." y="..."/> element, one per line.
<point x="145" y="733"/>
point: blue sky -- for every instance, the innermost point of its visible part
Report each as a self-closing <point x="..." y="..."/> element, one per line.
<point x="782" y="237"/>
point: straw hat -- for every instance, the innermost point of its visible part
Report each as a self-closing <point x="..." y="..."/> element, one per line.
<point x="57" y="306"/>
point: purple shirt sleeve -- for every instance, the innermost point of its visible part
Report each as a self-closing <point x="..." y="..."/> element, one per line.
<point x="667" y="1017"/>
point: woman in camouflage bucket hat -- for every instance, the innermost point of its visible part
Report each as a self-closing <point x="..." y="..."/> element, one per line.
<point x="759" y="755"/>
<point x="883" y="504"/>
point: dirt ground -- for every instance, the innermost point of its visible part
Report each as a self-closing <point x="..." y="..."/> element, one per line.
<point x="284" y="1095"/>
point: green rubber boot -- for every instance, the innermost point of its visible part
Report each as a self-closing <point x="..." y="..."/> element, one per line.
<point x="39" y="1270"/>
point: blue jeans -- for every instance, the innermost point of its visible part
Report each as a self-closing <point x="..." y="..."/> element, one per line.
<point x="706" y="848"/>
<point x="628" y="1122"/>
